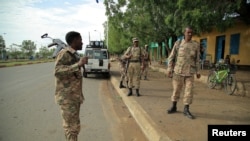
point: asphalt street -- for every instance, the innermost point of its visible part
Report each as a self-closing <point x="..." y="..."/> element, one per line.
<point x="28" y="109"/>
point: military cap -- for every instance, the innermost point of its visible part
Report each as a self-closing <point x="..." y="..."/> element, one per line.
<point x="135" y="40"/>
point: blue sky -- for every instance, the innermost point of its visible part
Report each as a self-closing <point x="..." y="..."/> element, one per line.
<point x="29" y="19"/>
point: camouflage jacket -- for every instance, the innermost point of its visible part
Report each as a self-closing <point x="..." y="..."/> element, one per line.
<point x="137" y="53"/>
<point x="184" y="58"/>
<point x="68" y="78"/>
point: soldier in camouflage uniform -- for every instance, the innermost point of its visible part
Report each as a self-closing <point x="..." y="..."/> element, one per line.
<point x="122" y="65"/>
<point x="68" y="92"/>
<point x="136" y="63"/>
<point x="147" y="62"/>
<point x="183" y="62"/>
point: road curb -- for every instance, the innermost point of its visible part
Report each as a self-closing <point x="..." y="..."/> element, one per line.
<point x="147" y="125"/>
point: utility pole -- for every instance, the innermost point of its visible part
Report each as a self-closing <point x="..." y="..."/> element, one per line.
<point x="107" y="31"/>
<point x="89" y="37"/>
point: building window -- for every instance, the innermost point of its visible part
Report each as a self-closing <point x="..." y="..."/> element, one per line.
<point x="234" y="44"/>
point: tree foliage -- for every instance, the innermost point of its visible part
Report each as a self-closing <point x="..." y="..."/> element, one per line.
<point x="44" y="52"/>
<point x="14" y="53"/>
<point x="2" y="42"/>
<point x="2" y="46"/>
<point x="28" y="47"/>
<point x="157" y="20"/>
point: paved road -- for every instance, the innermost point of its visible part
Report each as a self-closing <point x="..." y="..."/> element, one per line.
<point x="28" y="111"/>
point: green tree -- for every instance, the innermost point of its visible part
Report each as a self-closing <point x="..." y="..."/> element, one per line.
<point x="2" y="47"/>
<point x="44" y="52"/>
<point x="158" y="20"/>
<point x="28" y="47"/>
<point x="14" y="53"/>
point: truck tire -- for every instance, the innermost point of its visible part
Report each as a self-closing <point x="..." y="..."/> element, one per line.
<point x="107" y="75"/>
<point x="85" y="74"/>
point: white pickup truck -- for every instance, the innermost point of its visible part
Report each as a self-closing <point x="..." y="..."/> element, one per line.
<point x="98" y="59"/>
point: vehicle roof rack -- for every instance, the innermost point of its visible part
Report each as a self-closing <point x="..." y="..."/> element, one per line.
<point x="96" y="44"/>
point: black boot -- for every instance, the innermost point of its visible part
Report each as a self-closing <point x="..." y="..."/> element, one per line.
<point x="173" y="109"/>
<point x="121" y="85"/>
<point x="129" y="92"/>
<point x="187" y="113"/>
<point x="137" y="92"/>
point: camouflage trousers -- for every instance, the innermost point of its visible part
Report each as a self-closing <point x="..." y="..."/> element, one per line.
<point x="146" y="68"/>
<point x="178" y="83"/>
<point x="71" y="120"/>
<point x="134" y="70"/>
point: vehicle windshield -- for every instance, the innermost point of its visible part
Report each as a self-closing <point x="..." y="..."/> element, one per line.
<point x="96" y="54"/>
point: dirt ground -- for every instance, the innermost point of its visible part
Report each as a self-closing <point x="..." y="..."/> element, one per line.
<point x="210" y="106"/>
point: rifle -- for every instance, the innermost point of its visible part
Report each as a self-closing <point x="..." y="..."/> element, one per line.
<point x="60" y="45"/>
<point x="128" y="61"/>
<point x="127" y="65"/>
<point x="55" y="42"/>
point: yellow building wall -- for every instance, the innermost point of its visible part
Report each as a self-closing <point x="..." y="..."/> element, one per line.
<point x="244" y="46"/>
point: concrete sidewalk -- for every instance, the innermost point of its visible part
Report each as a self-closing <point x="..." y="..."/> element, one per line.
<point x="242" y="77"/>
<point x="210" y="106"/>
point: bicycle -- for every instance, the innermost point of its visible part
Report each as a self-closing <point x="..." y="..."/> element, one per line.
<point x="223" y="74"/>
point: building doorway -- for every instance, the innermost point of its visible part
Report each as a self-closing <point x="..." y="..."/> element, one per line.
<point x="220" y="48"/>
<point x="203" y="48"/>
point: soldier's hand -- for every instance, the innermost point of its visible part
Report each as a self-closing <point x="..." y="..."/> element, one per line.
<point x="82" y="61"/>
<point x="142" y="67"/>
<point x="129" y="56"/>
<point x="198" y="75"/>
<point x="170" y="74"/>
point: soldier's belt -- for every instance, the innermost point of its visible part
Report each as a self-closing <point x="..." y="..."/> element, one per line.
<point x="134" y="61"/>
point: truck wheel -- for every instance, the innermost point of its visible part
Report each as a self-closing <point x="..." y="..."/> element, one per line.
<point x="84" y="74"/>
<point x="107" y="75"/>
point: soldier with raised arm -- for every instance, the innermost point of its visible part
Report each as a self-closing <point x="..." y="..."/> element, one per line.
<point x="68" y="94"/>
